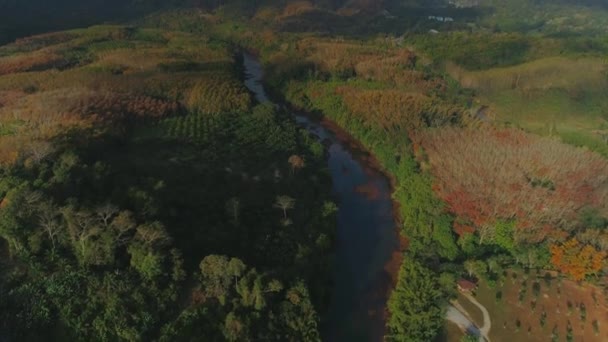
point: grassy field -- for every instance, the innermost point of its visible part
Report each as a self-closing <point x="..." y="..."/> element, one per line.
<point x="550" y="17"/>
<point x="535" y="307"/>
<point x="451" y="333"/>
<point x="550" y="96"/>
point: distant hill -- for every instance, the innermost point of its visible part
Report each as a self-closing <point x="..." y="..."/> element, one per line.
<point x="20" y="18"/>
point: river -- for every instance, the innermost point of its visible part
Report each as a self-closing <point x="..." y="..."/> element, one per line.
<point x="367" y="239"/>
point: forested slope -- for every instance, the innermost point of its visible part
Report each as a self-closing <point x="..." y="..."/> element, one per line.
<point x="144" y="196"/>
<point x="464" y="213"/>
<point x="452" y="109"/>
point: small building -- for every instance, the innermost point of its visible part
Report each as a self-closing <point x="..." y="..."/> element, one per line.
<point x="466" y="285"/>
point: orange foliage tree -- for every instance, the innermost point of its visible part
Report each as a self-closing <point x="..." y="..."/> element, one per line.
<point x="577" y="260"/>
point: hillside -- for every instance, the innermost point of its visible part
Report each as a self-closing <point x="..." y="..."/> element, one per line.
<point x="139" y="188"/>
<point x="477" y="195"/>
<point x="137" y="171"/>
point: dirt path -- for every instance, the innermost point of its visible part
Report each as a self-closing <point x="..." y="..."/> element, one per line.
<point x="456" y="315"/>
<point x="487" y="322"/>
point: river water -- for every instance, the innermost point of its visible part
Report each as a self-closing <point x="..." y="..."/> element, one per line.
<point x="366" y="236"/>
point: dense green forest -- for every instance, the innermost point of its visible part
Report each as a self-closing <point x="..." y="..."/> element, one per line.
<point x="492" y="126"/>
<point x="166" y="211"/>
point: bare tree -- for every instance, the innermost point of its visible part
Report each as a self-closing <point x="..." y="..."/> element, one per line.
<point x="32" y="198"/>
<point x="233" y="207"/>
<point x="123" y="224"/>
<point x="40" y="150"/>
<point x="85" y="230"/>
<point x="105" y="213"/>
<point x="486" y="233"/>
<point x="48" y="219"/>
<point x="469" y="266"/>
<point x="152" y="234"/>
<point x="284" y="203"/>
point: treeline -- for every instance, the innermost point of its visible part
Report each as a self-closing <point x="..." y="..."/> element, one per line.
<point x="425" y="224"/>
<point x="427" y="278"/>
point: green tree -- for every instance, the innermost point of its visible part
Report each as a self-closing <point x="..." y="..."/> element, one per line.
<point x="235" y="329"/>
<point x="469" y="338"/>
<point x="251" y="290"/>
<point x="503" y="235"/>
<point x="415" y="304"/>
<point x="494" y="264"/>
<point x="147" y="250"/>
<point x="18" y="221"/>
<point x="444" y="238"/>
<point x="480" y="268"/>
<point x="217" y="274"/>
<point x="298" y="319"/>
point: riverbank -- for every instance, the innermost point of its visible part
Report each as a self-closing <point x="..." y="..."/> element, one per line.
<point x="374" y="261"/>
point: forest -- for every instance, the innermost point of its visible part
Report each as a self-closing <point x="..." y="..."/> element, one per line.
<point x="140" y="212"/>
<point x="145" y="195"/>
<point x="476" y="197"/>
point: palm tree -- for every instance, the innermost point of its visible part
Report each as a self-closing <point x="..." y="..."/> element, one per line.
<point x="285" y="203"/>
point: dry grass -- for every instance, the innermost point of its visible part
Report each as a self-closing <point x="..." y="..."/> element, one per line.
<point x="336" y="54"/>
<point x="295" y="8"/>
<point x="560" y="300"/>
<point x="40" y="60"/>
<point x="137" y="60"/>
<point x="549" y="96"/>
<point x="391" y="108"/>
<point x="37" y="42"/>
<point x="542" y="74"/>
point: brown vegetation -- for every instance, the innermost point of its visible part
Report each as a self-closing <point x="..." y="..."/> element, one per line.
<point x="506" y="174"/>
<point x="542" y="74"/>
<point x="30" y="62"/>
<point x="297" y="8"/>
<point x="121" y="83"/>
<point x="543" y="308"/>
<point x="397" y="109"/>
<point x="37" y="42"/>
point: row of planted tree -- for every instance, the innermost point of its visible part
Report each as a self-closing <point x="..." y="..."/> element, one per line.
<point x="204" y="217"/>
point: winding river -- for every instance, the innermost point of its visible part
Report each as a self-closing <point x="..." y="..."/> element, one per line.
<point x="367" y="240"/>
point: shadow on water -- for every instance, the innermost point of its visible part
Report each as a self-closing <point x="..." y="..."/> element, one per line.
<point x="367" y="245"/>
